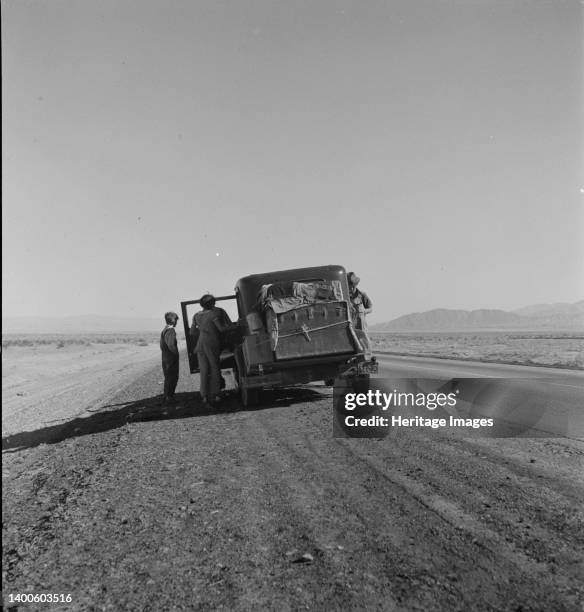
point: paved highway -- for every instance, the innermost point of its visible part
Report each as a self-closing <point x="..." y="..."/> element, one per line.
<point x="545" y="400"/>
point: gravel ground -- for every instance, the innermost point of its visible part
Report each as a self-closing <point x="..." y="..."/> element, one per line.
<point x="138" y="507"/>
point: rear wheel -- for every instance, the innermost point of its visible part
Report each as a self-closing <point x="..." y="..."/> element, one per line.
<point x="249" y="396"/>
<point x="361" y="383"/>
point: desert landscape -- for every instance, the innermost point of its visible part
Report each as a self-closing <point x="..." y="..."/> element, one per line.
<point x="123" y="503"/>
<point x="49" y="378"/>
<point x="317" y="169"/>
<point x="546" y="348"/>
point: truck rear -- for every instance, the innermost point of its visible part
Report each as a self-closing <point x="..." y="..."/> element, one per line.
<point x="295" y="327"/>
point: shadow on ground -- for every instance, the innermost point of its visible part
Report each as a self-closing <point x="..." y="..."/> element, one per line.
<point x="113" y="416"/>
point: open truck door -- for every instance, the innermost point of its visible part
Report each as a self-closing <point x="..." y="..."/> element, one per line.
<point x="191" y="339"/>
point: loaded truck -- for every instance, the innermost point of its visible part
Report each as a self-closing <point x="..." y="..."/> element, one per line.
<point x="293" y="327"/>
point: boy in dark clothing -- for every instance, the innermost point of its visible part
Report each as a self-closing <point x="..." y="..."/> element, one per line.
<point x="169" y="349"/>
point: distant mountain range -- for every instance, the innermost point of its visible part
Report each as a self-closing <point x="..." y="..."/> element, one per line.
<point x="535" y="317"/>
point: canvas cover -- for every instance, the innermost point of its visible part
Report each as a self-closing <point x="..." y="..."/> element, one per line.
<point x="282" y="297"/>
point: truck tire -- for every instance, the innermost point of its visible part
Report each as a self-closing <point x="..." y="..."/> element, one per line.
<point x="249" y="396"/>
<point x="361" y="383"/>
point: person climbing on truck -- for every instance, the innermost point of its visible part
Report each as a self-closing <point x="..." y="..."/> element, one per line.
<point x="361" y="305"/>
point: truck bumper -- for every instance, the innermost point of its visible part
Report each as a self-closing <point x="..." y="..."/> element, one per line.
<point x="290" y="376"/>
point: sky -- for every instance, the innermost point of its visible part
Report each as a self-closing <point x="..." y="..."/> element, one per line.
<point x="157" y="150"/>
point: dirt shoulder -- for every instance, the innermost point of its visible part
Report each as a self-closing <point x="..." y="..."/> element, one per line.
<point x="136" y="509"/>
<point x="43" y="385"/>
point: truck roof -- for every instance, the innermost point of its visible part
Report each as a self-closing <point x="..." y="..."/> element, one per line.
<point x="249" y="286"/>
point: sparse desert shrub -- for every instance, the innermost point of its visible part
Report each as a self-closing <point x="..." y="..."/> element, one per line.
<point x="558" y="349"/>
<point x="84" y="339"/>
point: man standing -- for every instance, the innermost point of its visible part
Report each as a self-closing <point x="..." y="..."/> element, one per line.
<point x="169" y="349"/>
<point x="209" y="323"/>
<point x="361" y="305"/>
